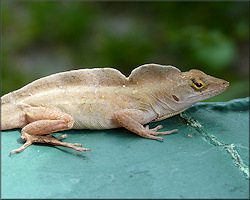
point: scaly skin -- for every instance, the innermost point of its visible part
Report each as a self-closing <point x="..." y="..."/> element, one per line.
<point x="103" y="99"/>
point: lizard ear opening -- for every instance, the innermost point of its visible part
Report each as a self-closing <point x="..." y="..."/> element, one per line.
<point x="175" y="97"/>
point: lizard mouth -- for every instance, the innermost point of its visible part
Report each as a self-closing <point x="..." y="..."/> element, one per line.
<point x="218" y="89"/>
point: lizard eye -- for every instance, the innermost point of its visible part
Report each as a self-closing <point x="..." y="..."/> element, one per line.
<point x="198" y="84"/>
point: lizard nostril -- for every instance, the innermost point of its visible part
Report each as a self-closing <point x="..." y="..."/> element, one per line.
<point x="226" y="84"/>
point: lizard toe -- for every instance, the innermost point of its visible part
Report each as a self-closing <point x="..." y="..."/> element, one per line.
<point x="62" y="137"/>
<point x="160" y="139"/>
<point x="26" y="144"/>
<point x="154" y="129"/>
<point x="81" y="149"/>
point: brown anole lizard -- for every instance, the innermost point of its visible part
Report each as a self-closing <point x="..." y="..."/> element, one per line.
<point x="103" y="98"/>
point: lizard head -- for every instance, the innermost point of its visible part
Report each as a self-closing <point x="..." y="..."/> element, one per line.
<point x="194" y="85"/>
<point x="179" y="90"/>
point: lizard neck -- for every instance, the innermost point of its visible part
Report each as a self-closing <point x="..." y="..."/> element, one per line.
<point x="164" y="104"/>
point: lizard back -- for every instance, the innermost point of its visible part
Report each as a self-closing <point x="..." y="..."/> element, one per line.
<point x="104" y="77"/>
<point x="82" y="77"/>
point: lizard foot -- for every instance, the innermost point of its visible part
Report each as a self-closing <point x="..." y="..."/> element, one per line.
<point x="48" y="139"/>
<point x="153" y="132"/>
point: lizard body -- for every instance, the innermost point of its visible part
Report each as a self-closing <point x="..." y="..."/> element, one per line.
<point x="103" y="98"/>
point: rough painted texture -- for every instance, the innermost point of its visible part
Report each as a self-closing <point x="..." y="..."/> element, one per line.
<point x="104" y="99"/>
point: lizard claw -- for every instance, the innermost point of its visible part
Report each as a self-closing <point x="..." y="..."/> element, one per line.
<point x="160" y="139"/>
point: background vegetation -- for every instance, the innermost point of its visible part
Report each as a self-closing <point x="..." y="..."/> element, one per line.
<point x="41" y="38"/>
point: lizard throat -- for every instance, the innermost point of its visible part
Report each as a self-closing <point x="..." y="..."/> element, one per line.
<point x="167" y="116"/>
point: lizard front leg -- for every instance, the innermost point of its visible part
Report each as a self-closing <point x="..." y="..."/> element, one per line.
<point x="42" y="121"/>
<point x="133" y="120"/>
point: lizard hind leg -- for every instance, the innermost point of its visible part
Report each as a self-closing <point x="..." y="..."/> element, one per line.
<point x="44" y="121"/>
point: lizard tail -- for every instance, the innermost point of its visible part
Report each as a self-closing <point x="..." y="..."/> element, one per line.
<point x="11" y="115"/>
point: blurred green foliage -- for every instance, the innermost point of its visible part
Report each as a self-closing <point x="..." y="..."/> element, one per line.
<point x="41" y="38"/>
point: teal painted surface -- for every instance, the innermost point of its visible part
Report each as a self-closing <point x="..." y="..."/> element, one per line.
<point x="124" y="165"/>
